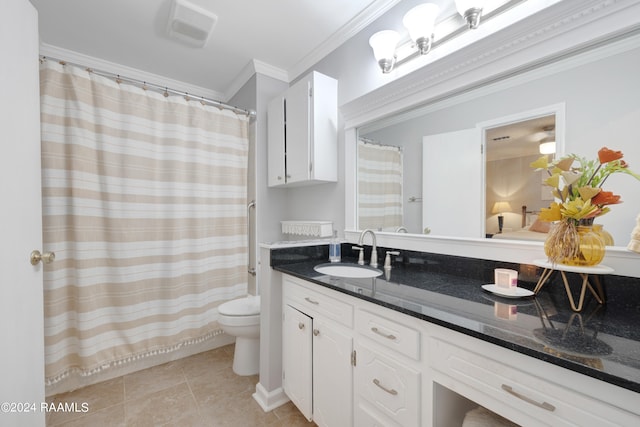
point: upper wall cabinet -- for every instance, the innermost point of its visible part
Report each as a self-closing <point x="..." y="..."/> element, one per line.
<point x="303" y="133"/>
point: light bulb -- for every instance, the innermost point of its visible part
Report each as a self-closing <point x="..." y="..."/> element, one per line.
<point x="384" y="45"/>
<point x="420" y="22"/>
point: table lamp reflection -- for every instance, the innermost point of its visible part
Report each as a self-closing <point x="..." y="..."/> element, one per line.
<point x="500" y="208"/>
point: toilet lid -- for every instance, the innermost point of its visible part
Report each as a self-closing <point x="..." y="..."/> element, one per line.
<point x="247" y="306"/>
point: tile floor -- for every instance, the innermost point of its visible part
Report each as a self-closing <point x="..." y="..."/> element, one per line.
<point x="200" y="390"/>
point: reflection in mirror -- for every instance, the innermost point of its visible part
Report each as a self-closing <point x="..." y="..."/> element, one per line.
<point x="598" y="94"/>
<point x="379" y="186"/>
<point x="514" y="192"/>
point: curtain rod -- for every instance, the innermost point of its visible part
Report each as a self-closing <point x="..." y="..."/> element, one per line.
<point x="163" y="89"/>
<point x="372" y="142"/>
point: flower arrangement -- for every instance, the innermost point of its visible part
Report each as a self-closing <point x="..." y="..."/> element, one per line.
<point x="581" y="196"/>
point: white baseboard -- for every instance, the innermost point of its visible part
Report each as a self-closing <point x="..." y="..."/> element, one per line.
<point x="269" y="401"/>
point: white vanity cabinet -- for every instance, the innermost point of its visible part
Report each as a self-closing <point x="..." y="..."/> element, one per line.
<point x="407" y="372"/>
<point x="317" y="353"/>
<point x="302" y="145"/>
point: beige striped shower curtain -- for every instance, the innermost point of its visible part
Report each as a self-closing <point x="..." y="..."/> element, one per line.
<point x="144" y="205"/>
<point x="379" y="186"/>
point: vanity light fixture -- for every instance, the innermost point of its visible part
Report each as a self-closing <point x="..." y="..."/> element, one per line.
<point x="384" y="45"/>
<point x="470" y="10"/>
<point x="420" y="22"/>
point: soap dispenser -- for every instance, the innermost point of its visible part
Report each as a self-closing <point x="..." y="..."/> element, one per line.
<point x="334" y="248"/>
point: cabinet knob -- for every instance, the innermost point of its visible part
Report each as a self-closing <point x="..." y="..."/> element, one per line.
<point x="316" y="332"/>
<point x="300" y="325"/>
<point x="46" y="257"/>
<point x="279" y="178"/>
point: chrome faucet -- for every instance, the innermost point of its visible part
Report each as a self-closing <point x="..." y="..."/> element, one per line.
<point x="402" y="229"/>
<point x="374" y="248"/>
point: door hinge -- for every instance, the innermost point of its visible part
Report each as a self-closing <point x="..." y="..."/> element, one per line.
<point x="311" y="92"/>
<point x="481" y="149"/>
<point x="353" y="358"/>
<point x="282" y="375"/>
<point x="310" y="166"/>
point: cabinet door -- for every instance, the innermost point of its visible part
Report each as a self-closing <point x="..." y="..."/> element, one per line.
<point x="297" y="359"/>
<point x="332" y="375"/>
<point x="298" y="132"/>
<point x="275" y="142"/>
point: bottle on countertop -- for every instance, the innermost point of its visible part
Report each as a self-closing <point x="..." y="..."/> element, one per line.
<point x="334" y="248"/>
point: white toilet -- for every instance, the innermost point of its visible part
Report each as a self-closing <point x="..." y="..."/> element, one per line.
<point x="241" y="318"/>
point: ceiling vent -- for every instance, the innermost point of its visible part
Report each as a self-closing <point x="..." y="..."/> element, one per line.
<point x="190" y="23"/>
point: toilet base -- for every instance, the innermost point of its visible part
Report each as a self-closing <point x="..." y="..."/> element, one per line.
<point x="246" y="356"/>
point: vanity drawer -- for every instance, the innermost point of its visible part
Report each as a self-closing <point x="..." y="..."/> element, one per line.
<point x="310" y="301"/>
<point x="391" y="334"/>
<point x="518" y="394"/>
<point x="386" y="386"/>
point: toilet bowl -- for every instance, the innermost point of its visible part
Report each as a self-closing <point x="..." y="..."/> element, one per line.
<point x="241" y="318"/>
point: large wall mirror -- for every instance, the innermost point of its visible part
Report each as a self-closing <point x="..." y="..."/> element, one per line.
<point x="463" y="162"/>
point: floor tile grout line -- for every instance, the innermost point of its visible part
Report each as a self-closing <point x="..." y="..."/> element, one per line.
<point x="193" y="396"/>
<point x="221" y="357"/>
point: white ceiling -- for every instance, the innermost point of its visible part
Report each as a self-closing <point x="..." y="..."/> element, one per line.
<point x="518" y="139"/>
<point x="287" y="35"/>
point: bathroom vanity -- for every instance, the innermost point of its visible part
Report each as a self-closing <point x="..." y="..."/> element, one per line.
<point x="427" y="345"/>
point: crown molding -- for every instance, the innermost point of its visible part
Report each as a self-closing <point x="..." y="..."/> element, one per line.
<point x="364" y="18"/>
<point x="540" y="39"/>
<point x="376" y="9"/>
<point x="255" y="67"/>
<point x="123" y="70"/>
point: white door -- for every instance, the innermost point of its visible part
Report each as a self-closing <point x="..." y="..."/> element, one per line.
<point x="452" y="201"/>
<point x="21" y="312"/>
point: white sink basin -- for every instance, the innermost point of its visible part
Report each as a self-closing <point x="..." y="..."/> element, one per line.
<point x="351" y="271"/>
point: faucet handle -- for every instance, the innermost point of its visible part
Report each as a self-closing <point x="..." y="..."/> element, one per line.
<point x="387" y="259"/>
<point x="361" y="256"/>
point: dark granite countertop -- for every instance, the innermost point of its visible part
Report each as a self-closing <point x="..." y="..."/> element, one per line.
<point x="602" y="341"/>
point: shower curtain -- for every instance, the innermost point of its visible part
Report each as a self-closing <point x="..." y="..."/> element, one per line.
<point x="379" y="186"/>
<point x="144" y="205"/>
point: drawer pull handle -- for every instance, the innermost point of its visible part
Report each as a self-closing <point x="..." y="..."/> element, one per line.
<point x="300" y="325"/>
<point x="309" y="300"/>
<point x="390" y="391"/>
<point x="377" y="331"/>
<point x="544" y="405"/>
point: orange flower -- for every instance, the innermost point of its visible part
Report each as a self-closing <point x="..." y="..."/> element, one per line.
<point x="606" y="155"/>
<point x="605" y="198"/>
